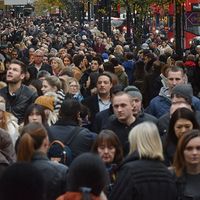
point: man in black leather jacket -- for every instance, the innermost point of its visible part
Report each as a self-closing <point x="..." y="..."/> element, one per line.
<point x="18" y="96"/>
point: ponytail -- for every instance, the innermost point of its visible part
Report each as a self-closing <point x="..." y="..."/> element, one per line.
<point x="25" y="148"/>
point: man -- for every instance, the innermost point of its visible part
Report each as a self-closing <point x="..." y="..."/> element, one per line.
<point x="102" y="117"/>
<point x="67" y="125"/>
<point x="181" y="96"/>
<point x="18" y="96"/>
<point x="124" y="120"/>
<point x="38" y="65"/>
<point x="160" y="104"/>
<point x="94" y="67"/>
<point x="101" y="101"/>
<point x="78" y="67"/>
<point x="138" y="110"/>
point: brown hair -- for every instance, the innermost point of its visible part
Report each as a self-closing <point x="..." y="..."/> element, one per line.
<point x="111" y="139"/>
<point x="33" y="135"/>
<point x="179" y="159"/>
<point x="4" y="121"/>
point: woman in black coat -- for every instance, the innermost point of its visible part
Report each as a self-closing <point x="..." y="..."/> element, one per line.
<point x="143" y="176"/>
<point x="187" y="166"/>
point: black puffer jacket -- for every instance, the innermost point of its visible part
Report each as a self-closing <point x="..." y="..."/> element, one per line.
<point x="143" y="180"/>
<point x="55" y="175"/>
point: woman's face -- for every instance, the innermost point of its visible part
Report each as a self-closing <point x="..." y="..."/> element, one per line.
<point x="35" y="117"/>
<point x="182" y="126"/>
<point x="192" y="151"/>
<point x="47" y="88"/>
<point x="73" y="87"/>
<point x="55" y="67"/>
<point x="66" y="61"/>
<point x="106" y="152"/>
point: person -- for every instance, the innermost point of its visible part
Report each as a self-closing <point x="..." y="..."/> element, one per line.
<point x="18" y="96"/>
<point x="53" y="86"/>
<point x="68" y="124"/>
<point x="22" y="181"/>
<point x="74" y="90"/>
<point x="143" y="175"/>
<point x="94" y="67"/>
<point x="101" y="101"/>
<point x="182" y="120"/>
<point x="109" y="148"/>
<point x="138" y="110"/>
<point x="129" y="66"/>
<point x="160" y="104"/>
<point x="7" y="151"/>
<point x="181" y="96"/>
<point x="38" y="65"/>
<point x="77" y="69"/>
<point x="32" y="147"/>
<point x="35" y="113"/>
<point x="90" y="87"/>
<point x="102" y="117"/>
<point x="57" y="65"/>
<point x="8" y="122"/>
<point x="123" y="120"/>
<point x="47" y="102"/>
<point x="187" y="165"/>
<point x="93" y="179"/>
<point x="152" y="82"/>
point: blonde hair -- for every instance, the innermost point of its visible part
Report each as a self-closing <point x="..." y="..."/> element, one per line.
<point x="70" y="80"/>
<point x="59" y="61"/>
<point x="144" y="138"/>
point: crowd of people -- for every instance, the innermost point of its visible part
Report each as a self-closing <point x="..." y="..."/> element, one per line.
<point x="87" y="116"/>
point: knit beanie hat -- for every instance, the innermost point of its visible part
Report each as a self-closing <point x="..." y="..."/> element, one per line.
<point x="133" y="91"/>
<point x="46" y="101"/>
<point x="183" y="90"/>
<point x="2" y="106"/>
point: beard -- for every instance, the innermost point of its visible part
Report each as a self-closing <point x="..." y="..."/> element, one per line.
<point x="13" y="81"/>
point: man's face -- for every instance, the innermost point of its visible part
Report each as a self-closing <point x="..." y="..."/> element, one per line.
<point x="137" y="105"/>
<point x="94" y="65"/>
<point x="38" y="58"/>
<point x="14" y="73"/>
<point x="175" y="78"/>
<point x="122" y="107"/>
<point x="103" y="85"/>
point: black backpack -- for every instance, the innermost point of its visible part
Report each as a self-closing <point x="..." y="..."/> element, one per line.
<point x="62" y="152"/>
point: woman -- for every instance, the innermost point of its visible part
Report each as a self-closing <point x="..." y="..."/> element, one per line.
<point x="93" y="179"/>
<point x="67" y="60"/>
<point x="74" y="89"/>
<point x="143" y="175"/>
<point x="8" y="122"/>
<point x="47" y="103"/>
<point x="53" y="85"/>
<point x="57" y="65"/>
<point x="33" y="146"/>
<point x="90" y="87"/>
<point x="35" y="113"/>
<point x="182" y="120"/>
<point x="187" y="165"/>
<point x="7" y="151"/>
<point x="109" y="148"/>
